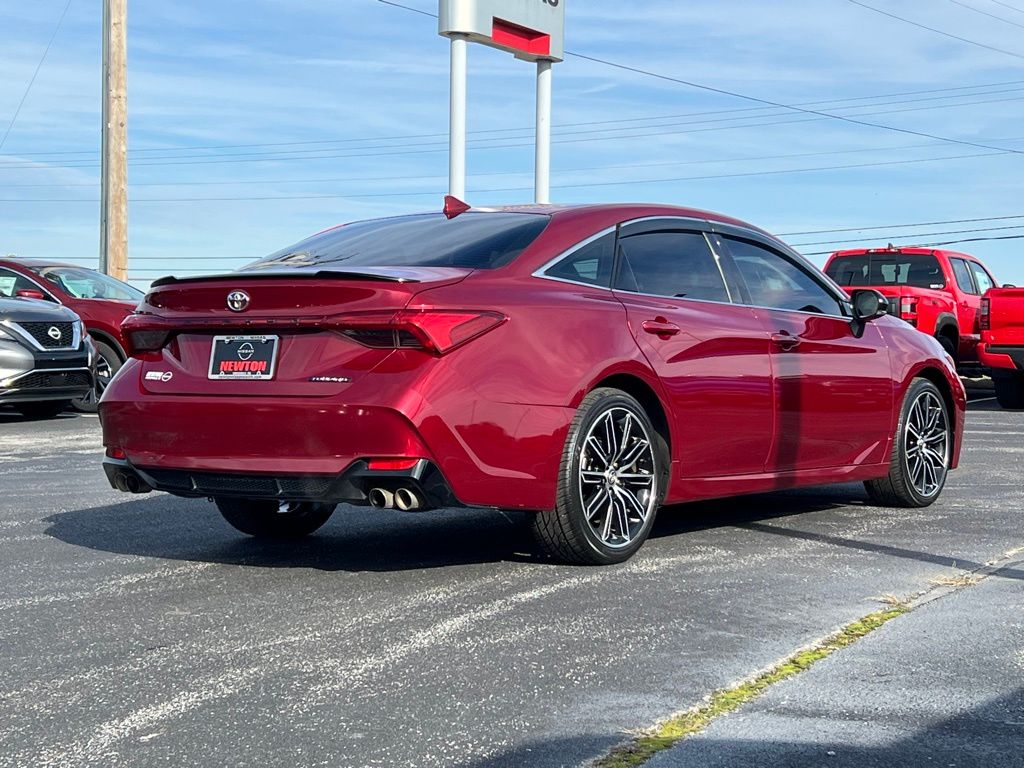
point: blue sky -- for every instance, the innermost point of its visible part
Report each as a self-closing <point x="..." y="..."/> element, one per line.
<point x="347" y="102"/>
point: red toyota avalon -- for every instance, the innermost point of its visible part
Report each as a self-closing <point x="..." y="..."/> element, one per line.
<point x="588" y="364"/>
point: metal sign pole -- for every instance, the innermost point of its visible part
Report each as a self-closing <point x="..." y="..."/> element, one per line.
<point x="457" y="130"/>
<point x="542" y="171"/>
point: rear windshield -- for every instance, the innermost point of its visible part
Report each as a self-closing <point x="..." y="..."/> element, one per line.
<point x="472" y="240"/>
<point x="915" y="270"/>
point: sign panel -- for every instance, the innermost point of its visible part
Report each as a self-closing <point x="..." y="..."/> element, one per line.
<point x="533" y="30"/>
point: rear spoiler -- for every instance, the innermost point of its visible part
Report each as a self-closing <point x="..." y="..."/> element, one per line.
<point x="323" y="274"/>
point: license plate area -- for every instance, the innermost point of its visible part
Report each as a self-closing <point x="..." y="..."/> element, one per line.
<point x="243" y="358"/>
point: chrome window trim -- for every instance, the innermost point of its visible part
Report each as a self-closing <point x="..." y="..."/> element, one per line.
<point x="707" y="227"/>
<point x="569" y="252"/>
<point x="76" y="335"/>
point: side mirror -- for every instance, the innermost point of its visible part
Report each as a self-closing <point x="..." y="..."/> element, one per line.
<point x="30" y="293"/>
<point x="869" y="305"/>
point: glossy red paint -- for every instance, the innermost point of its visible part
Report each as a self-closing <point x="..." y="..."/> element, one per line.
<point x="749" y="399"/>
<point x="102" y="317"/>
<point x="949" y="309"/>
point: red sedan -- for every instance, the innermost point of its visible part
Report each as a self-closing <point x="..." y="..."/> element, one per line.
<point x="100" y="300"/>
<point x="586" y="363"/>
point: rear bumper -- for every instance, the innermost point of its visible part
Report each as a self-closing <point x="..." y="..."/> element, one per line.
<point x="351" y="486"/>
<point x="1000" y="357"/>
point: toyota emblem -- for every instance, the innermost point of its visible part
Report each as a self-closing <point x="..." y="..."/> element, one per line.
<point x="238" y="301"/>
<point x="54" y="333"/>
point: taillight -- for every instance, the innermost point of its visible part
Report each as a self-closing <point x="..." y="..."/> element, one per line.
<point x="986" y="315"/>
<point x="145" y="338"/>
<point x="435" y="330"/>
<point x="908" y="310"/>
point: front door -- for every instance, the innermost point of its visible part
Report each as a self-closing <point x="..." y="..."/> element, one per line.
<point x="711" y="355"/>
<point x="832" y="387"/>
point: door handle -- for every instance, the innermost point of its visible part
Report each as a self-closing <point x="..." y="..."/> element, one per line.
<point x="785" y="340"/>
<point x="660" y="327"/>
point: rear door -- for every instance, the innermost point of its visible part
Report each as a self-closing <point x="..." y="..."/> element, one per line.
<point x="833" y="389"/>
<point x="711" y="355"/>
<point x="968" y="304"/>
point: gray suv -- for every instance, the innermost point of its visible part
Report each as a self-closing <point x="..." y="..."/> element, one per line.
<point x="46" y="357"/>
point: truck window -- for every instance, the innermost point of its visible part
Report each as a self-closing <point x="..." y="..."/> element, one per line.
<point x="981" y="277"/>
<point x="893" y="269"/>
<point x="963" y="276"/>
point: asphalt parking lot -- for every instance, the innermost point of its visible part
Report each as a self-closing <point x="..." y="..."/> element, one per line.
<point x="144" y="631"/>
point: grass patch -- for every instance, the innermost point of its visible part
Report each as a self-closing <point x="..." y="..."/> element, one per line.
<point x="644" y="746"/>
<point x="957" y="582"/>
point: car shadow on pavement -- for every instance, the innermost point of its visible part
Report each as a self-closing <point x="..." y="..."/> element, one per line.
<point x="8" y="416"/>
<point x="981" y="737"/>
<point x="362" y="539"/>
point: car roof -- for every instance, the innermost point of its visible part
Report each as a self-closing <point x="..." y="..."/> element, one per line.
<point x="37" y="262"/>
<point x="616" y="211"/>
<point x="909" y="250"/>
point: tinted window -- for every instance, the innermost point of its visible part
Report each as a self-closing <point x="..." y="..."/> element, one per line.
<point x="775" y="281"/>
<point x="678" y="264"/>
<point x="962" y="275"/>
<point x="472" y="240"/>
<point x="590" y="264"/>
<point x="916" y="270"/>
<point x="88" y="284"/>
<point x="983" y="278"/>
<point x="11" y="282"/>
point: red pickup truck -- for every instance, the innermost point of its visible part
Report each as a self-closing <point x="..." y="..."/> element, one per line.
<point x="1002" y="343"/>
<point x="938" y="292"/>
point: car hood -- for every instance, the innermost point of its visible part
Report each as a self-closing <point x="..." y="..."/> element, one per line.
<point x="34" y="311"/>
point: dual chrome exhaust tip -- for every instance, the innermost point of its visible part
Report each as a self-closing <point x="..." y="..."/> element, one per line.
<point x="404" y="498"/>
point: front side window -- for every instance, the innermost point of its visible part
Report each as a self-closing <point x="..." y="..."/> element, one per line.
<point x="12" y="282"/>
<point x="982" y="277"/>
<point x="963" y="275"/>
<point x="590" y="264"/>
<point x="471" y="241"/>
<point x="676" y="264"/>
<point x="87" y="284"/>
<point x="776" y="282"/>
<point x="887" y="269"/>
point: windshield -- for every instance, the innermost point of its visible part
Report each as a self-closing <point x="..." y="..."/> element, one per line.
<point x="895" y="269"/>
<point x="472" y="241"/>
<point x="87" y="284"/>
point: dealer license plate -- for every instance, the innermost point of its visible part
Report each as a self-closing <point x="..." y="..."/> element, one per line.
<point x="243" y="357"/>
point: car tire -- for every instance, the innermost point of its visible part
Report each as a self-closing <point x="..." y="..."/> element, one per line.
<point x="921" y="451"/>
<point x="270" y="519"/>
<point x="605" y="507"/>
<point x="45" y="409"/>
<point x="1009" y="392"/>
<point x="108" y="362"/>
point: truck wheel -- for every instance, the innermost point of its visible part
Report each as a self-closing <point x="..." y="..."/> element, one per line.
<point x="949" y="345"/>
<point x="921" y="451"/>
<point x="46" y="409"/>
<point x="613" y="475"/>
<point x="269" y="519"/>
<point x="1010" y="392"/>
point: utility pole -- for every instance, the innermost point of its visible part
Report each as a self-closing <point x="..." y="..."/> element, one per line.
<point x="542" y="170"/>
<point x="457" y="119"/>
<point x="114" y="182"/>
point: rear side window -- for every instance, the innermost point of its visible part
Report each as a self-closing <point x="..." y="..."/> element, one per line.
<point x="590" y="264"/>
<point x="472" y="241"/>
<point x="677" y="264"/>
<point x="915" y="270"/>
<point x="963" y="275"/>
<point x="982" y="277"/>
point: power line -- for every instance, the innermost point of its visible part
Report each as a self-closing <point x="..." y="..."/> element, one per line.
<point x="1007" y="5"/>
<point x="588" y="185"/>
<point x="933" y="245"/>
<point x="755" y="99"/>
<point x="914" y="235"/>
<point x="35" y="74"/>
<point x="841" y="104"/>
<point x="902" y="226"/>
<point x="936" y="31"/>
<point x="986" y="13"/>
